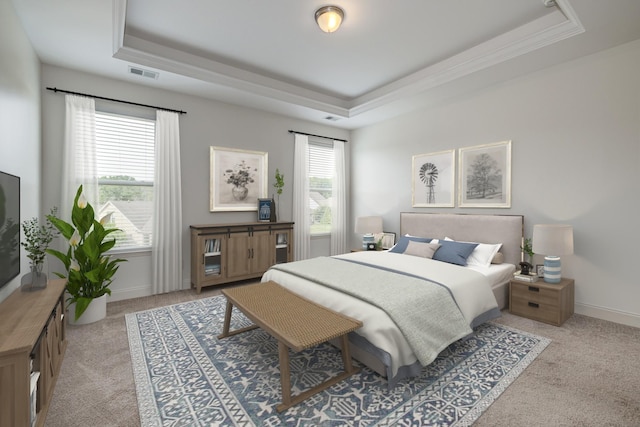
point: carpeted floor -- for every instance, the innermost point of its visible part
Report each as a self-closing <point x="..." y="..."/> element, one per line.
<point x="588" y="376"/>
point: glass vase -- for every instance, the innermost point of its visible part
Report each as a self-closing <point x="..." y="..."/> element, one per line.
<point x="35" y="280"/>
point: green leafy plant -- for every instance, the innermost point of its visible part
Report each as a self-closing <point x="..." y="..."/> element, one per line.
<point x="527" y="248"/>
<point x="37" y="238"/>
<point x="279" y="184"/>
<point x="89" y="272"/>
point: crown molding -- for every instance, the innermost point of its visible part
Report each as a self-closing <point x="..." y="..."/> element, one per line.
<point x="561" y="24"/>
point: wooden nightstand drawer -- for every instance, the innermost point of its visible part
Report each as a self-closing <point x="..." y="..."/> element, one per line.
<point x="537" y="294"/>
<point x="544" y="302"/>
<point x="541" y="312"/>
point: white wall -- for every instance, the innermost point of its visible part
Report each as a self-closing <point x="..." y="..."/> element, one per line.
<point x="19" y="120"/>
<point x="575" y="159"/>
<point x="206" y="123"/>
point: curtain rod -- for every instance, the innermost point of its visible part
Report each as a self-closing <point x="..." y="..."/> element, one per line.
<point x="56" y="90"/>
<point x="317" y="136"/>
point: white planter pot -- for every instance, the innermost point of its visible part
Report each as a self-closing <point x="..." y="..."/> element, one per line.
<point x="97" y="310"/>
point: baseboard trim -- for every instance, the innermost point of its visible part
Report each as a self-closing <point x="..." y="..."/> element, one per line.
<point x="138" y="291"/>
<point x="616" y="316"/>
<point x="133" y="292"/>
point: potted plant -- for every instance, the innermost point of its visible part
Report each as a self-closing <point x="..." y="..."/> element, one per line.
<point x="89" y="271"/>
<point x="37" y="238"/>
<point x="278" y="185"/>
<point x="527" y="248"/>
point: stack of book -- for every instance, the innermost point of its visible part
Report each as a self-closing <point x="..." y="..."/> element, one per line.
<point x="530" y="278"/>
<point x="212" y="246"/>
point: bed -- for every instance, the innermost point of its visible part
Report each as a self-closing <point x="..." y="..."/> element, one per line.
<point x="406" y="325"/>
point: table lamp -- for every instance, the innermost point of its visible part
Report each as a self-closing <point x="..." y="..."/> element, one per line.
<point x="368" y="226"/>
<point x="552" y="240"/>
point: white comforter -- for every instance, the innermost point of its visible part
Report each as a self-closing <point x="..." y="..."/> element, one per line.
<point x="470" y="288"/>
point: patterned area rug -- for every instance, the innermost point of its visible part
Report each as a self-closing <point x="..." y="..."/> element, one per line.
<point x="185" y="376"/>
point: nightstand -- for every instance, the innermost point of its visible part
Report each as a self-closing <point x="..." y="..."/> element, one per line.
<point x="545" y="302"/>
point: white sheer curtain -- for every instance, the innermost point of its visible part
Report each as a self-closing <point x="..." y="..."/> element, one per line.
<point x="79" y="163"/>
<point x="167" y="220"/>
<point x="301" y="214"/>
<point x="339" y="205"/>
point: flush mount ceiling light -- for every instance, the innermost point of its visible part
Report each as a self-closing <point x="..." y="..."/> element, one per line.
<point x="329" y="18"/>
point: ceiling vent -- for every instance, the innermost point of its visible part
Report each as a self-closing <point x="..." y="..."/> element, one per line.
<point x="332" y="118"/>
<point x="144" y="73"/>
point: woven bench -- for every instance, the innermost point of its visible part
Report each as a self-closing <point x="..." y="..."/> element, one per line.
<point x="296" y="323"/>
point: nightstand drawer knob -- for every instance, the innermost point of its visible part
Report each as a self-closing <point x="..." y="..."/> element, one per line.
<point x="534" y="289"/>
<point x="534" y="305"/>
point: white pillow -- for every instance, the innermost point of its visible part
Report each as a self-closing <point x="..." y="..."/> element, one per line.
<point x="482" y="254"/>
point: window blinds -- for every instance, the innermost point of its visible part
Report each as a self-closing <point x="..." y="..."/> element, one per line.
<point x="125" y="164"/>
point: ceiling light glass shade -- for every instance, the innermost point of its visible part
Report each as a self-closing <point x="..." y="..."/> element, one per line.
<point x="329" y="18"/>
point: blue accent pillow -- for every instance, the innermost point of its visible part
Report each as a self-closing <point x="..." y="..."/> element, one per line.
<point x="454" y="252"/>
<point x="401" y="246"/>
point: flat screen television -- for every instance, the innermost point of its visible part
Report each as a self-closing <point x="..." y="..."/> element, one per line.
<point x="9" y="227"/>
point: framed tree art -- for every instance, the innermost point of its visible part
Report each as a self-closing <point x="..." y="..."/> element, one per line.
<point x="433" y="179"/>
<point x="238" y="179"/>
<point x="485" y="176"/>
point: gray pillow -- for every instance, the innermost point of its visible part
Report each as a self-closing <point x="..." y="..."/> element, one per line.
<point x="498" y="258"/>
<point x="421" y="249"/>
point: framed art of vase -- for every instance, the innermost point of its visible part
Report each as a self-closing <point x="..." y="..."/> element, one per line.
<point x="238" y="178"/>
<point x="433" y="180"/>
<point x="485" y="176"/>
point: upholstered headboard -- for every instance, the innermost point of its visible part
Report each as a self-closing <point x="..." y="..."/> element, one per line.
<point x="505" y="229"/>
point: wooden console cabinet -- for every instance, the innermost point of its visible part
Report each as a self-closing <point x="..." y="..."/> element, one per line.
<point x="32" y="339"/>
<point x="223" y="253"/>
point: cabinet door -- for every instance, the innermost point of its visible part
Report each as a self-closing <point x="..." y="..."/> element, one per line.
<point x="261" y="251"/>
<point x="239" y="254"/>
<point x="212" y="258"/>
<point x="283" y="246"/>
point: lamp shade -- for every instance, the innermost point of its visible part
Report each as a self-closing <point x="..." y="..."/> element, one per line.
<point x="329" y="18"/>
<point x="369" y="225"/>
<point x="552" y="239"/>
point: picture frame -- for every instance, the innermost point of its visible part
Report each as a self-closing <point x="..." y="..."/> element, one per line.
<point x="433" y="180"/>
<point x="387" y="240"/>
<point x="540" y="270"/>
<point x="264" y="210"/>
<point x="238" y="178"/>
<point x="484" y="178"/>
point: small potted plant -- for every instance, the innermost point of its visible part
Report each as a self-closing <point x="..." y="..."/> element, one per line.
<point x="36" y="241"/>
<point x="278" y="185"/>
<point x="89" y="272"/>
<point x="527" y="248"/>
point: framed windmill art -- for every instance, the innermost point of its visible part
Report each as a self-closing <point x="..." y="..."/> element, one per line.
<point x="433" y="180"/>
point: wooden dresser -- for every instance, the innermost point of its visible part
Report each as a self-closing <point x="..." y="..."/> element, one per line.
<point x="546" y="302"/>
<point x="32" y="339"/>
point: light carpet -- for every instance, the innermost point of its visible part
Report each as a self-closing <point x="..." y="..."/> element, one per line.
<point x="185" y="376"/>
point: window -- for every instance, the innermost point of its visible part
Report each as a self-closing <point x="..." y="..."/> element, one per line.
<point x="125" y="164"/>
<point x="321" y="169"/>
